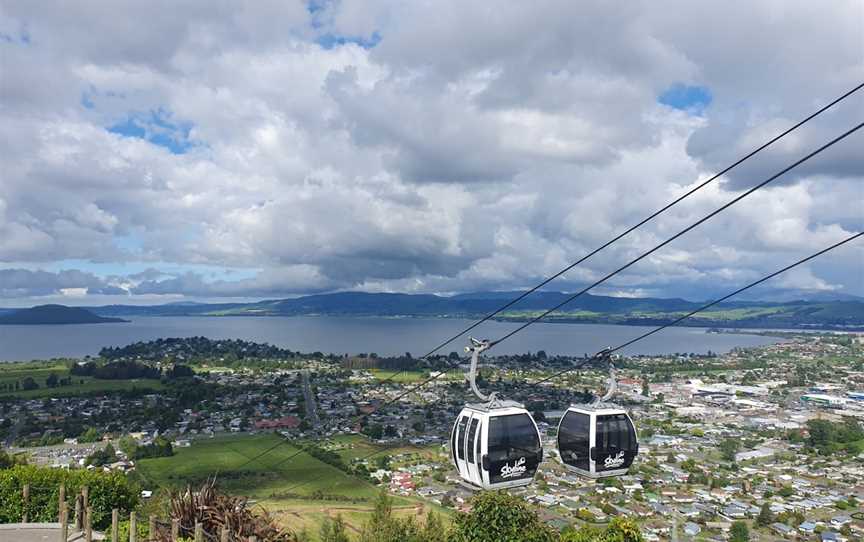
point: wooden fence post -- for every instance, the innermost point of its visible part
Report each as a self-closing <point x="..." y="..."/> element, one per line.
<point x="151" y="529"/>
<point x="115" y="525"/>
<point x="79" y="521"/>
<point x="133" y="527"/>
<point x="88" y="524"/>
<point x="175" y="530"/>
<point x="199" y="532"/>
<point x="64" y="522"/>
<point x="223" y="537"/>
<point x="25" y="493"/>
<point x="61" y="499"/>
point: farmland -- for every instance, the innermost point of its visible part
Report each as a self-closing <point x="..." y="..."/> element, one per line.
<point x="278" y="474"/>
<point x="39" y="371"/>
<point x="299" y="490"/>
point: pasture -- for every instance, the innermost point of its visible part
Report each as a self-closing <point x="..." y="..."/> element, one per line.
<point x="39" y="371"/>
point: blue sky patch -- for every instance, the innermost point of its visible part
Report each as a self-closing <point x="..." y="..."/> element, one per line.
<point x="329" y="41"/>
<point x="158" y="127"/>
<point x="689" y="98"/>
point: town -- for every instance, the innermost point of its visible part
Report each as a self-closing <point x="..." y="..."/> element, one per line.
<point x="769" y="436"/>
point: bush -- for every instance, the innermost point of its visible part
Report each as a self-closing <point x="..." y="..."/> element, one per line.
<point x="497" y="516"/>
<point x="107" y="491"/>
<point x="618" y="530"/>
<point x="739" y="532"/>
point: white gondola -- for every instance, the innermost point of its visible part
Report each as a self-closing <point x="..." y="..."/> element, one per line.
<point x="599" y="439"/>
<point x="496" y="444"/>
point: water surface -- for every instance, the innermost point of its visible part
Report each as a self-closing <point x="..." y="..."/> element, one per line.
<point x="355" y="335"/>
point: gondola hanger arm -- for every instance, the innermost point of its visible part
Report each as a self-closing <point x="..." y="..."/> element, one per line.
<point x="477" y="347"/>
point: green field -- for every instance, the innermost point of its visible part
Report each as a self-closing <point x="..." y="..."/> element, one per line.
<point x="268" y="477"/>
<point x="270" y="480"/>
<point x="400" y="377"/>
<point x="40" y="370"/>
<point x="356" y="446"/>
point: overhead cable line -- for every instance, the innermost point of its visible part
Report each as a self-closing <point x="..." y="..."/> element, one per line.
<point x="596" y="283"/>
<point x="682" y="232"/>
<point x="656" y="330"/>
<point x="644" y="221"/>
<point x="642" y="256"/>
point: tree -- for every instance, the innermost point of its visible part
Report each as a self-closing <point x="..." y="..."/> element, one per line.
<point x="333" y="530"/>
<point x="739" y="532"/>
<point x="28" y="384"/>
<point x="646" y="387"/>
<point x="90" y="435"/>
<point x="128" y="446"/>
<point x="821" y="433"/>
<point x="729" y="447"/>
<point x="497" y="516"/>
<point x="102" y="457"/>
<point x="765" y="517"/>
<point x="786" y="491"/>
<point x="8" y="460"/>
<point x="434" y="530"/>
<point x="618" y="530"/>
<point x="374" y="431"/>
<point x="52" y="381"/>
<point x="383" y="527"/>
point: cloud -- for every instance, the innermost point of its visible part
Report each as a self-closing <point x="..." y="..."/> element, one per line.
<point x="418" y="147"/>
<point x="20" y="283"/>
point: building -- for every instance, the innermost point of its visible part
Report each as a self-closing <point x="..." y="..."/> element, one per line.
<point x="759" y="453"/>
<point x="821" y="399"/>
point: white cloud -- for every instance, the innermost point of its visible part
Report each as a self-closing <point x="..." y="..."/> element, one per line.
<point x="472" y="148"/>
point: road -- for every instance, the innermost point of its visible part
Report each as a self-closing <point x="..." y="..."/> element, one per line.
<point x="309" y="397"/>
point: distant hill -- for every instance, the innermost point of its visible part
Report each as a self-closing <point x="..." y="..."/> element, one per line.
<point x="54" y="314"/>
<point x="802" y="314"/>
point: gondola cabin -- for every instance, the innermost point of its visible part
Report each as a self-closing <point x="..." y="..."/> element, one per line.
<point x="496" y="447"/>
<point x="597" y="440"/>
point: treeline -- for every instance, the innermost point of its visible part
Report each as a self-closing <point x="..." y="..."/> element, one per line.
<point x="827" y="438"/>
<point x="126" y="370"/>
<point x="397" y="363"/>
<point x="160" y="447"/>
<point x="197" y="349"/>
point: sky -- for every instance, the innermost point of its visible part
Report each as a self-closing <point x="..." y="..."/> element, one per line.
<point x="165" y="151"/>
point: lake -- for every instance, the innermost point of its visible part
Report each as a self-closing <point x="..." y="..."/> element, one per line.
<point x="355" y="335"/>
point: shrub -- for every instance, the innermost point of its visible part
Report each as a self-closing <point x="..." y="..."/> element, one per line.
<point x="107" y="491"/>
<point x="618" y="530"/>
<point x="500" y="517"/>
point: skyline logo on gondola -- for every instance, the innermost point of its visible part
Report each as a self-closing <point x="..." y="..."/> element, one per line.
<point x="517" y="469"/>
<point x="612" y="462"/>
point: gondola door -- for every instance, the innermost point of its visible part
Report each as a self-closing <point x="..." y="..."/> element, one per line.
<point x="472" y="457"/>
<point x="459" y="437"/>
<point x="615" y="443"/>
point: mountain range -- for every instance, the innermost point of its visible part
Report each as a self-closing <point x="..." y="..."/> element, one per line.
<point x="843" y="313"/>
